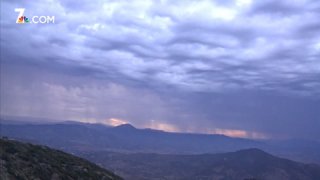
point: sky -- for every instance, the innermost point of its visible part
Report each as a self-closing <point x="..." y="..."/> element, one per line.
<point x="242" y="68"/>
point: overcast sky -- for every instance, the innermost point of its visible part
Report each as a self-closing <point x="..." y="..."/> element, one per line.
<point x="243" y="68"/>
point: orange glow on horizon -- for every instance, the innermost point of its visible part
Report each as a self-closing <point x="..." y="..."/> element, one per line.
<point x="238" y="133"/>
<point x="231" y="132"/>
<point x="115" y="122"/>
<point x="162" y="126"/>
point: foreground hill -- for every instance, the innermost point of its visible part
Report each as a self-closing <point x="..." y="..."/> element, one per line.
<point x="252" y="164"/>
<point x="27" y="161"/>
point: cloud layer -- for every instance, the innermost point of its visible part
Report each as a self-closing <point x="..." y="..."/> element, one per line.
<point x="236" y="64"/>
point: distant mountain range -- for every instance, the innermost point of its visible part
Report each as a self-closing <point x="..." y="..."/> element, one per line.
<point x="75" y="136"/>
<point x="78" y="137"/>
<point x="26" y="161"/>
<point x="139" y="154"/>
<point x="249" y="164"/>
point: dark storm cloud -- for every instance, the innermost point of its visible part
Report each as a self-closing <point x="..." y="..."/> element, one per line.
<point x="277" y="7"/>
<point x="223" y="64"/>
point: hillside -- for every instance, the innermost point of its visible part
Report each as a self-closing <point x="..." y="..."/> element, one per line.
<point x="244" y="164"/>
<point x="27" y="161"/>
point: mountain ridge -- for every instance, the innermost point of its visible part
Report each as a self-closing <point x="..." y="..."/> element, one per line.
<point x="74" y="137"/>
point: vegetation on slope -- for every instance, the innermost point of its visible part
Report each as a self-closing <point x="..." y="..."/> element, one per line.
<point x="26" y="161"/>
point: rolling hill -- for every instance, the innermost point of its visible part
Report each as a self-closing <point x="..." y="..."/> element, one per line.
<point x="252" y="164"/>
